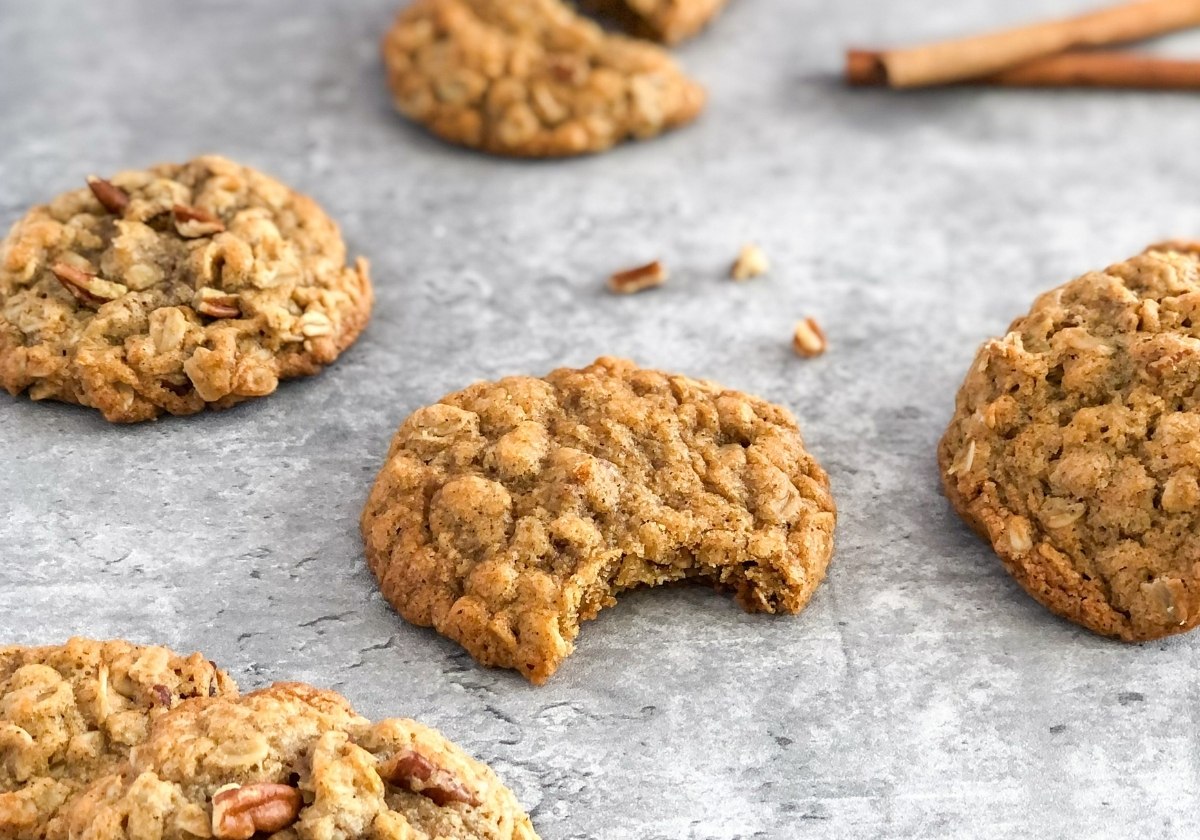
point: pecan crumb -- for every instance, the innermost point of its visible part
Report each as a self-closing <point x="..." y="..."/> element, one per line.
<point x="192" y="222"/>
<point x="162" y="694"/>
<point x="751" y="262"/>
<point x="239" y="812"/>
<point x="113" y="198"/>
<point x="638" y="279"/>
<point x="86" y="288"/>
<point x="417" y="774"/>
<point x="808" y="339"/>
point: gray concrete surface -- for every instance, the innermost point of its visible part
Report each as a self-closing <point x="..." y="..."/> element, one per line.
<point x="920" y="695"/>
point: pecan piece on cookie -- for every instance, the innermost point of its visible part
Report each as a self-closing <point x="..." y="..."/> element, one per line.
<point x="86" y="288"/>
<point x="531" y="78"/>
<point x="417" y="774"/>
<point x="510" y="512"/>
<point x="1073" y="447"/>
<point x="216" y="304"/>
<point x="241" y="811"/>
<point x="113" y="198"/>
<point x="192" y="222"/>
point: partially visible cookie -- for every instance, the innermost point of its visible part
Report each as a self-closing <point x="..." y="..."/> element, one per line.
<point x="296" y="763"/>
<point x="511" y="511"/>
<point x="174" y="289"/>
<point x="530" y="78"/>
<point x="669" y="21"/>
<point x="70" y="714"/>
<point x="1075" y="447"/>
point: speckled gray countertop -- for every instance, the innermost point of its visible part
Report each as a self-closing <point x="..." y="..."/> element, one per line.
<point x="922" y="694"/>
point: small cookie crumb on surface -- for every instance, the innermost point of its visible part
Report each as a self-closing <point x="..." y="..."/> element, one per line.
<point x="1075" y="447"/>
<point x="808" y="339"/>
<point x="639" y="279"/>
<point x="510" y="512"/>
<point x="751" y="262"/>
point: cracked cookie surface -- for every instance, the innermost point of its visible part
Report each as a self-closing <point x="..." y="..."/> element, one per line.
<point x="531" y="78"/>
<point x="296" y="763"/>
<point x="511" y="511"/>
<point x="1075" y="447"/>
<point x="70" y="714"/>
<point x="174" y="289"/>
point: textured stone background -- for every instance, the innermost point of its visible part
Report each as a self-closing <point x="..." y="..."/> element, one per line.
<point x="921" y="695"/>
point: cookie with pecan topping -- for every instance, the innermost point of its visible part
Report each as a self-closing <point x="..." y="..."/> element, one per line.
<point x="531" y="78"/>
<point x="511" y="511"/>
<point x="296" y="763"/>
<point x="1075" y="447"/>
<point x="174" y="289"/>
<point x="70" y="714"/>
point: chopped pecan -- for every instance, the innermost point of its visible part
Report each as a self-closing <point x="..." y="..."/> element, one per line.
<point x="216" y="304"/>
<point x="241" y="811"/>
<point x="751" y="262"/>
<point x="113" y="198"/>
<point x="417" y="774"/>
<point x="808" y="339"/>
<point x="567" y="68"/>
<point x="638" y="279"/>
<point x="192" y="222"/>
<point x="86" y="288"/>
<point x="162" y="694"/>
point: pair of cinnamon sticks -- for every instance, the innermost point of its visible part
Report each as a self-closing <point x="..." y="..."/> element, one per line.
<point x="1060" y="53"/>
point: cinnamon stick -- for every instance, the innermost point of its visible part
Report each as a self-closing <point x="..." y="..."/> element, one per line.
<point x="984" y="55"/>
<point x="1072" y="69"/>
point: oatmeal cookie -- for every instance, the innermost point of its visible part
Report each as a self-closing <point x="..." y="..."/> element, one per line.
<point x="1075" y="447"/>
<point x="511" y="511"/>
<point x="669" y="21"/>
<point x="296" y="763"/>
<point x="530" y="78"/>
<point x="174" y="289"/>
<point x="69" y="714"/>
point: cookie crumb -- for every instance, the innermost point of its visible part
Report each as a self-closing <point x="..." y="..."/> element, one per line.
<point x="751" y="262"/>
<point x="808" y="339"/>
<point x="634" y="280"/>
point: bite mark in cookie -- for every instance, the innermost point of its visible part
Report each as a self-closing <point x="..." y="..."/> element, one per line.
<point x="1075" y="447"/>
<point x="172" y="290"/>
<point x="511" y="511"/>
<point x="70" y="714"/>
<point x="530" y="78"/>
